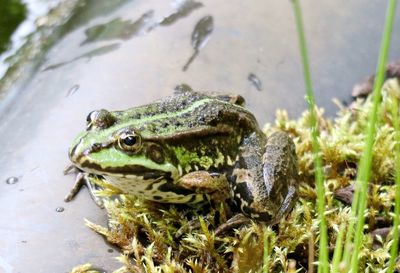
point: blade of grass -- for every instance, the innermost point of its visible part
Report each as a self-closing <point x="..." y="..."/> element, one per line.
<point x="396" y="220"/>
<point x="319" y="177"/>
<point x="366" y="158"/>
<point x="266" y="251"/>
<point x="337" y="254"/>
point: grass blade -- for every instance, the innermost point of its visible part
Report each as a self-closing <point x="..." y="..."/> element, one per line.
<point x="337" y="254"/>
<point x="396" y="216"/>
<point x="319" y="177"/>
<point x="366" y="158"/>
<point x="266" y="255"/>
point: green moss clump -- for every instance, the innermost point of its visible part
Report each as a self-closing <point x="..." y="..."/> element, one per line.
<point x="168" y="238"/>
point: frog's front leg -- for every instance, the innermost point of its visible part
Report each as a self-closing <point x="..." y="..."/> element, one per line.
<point x="265" y="180"/>
<point x="89" y="180"/>
<point x="214" y="185"/>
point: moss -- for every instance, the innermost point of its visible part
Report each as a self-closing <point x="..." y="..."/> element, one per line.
<point x="168" y="238"/>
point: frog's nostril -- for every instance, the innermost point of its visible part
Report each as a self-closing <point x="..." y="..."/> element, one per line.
<point x="95" y="147"/>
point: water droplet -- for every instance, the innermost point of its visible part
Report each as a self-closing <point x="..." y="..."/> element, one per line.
<point x="60" y="209"/>
<point x="12" y="180"/>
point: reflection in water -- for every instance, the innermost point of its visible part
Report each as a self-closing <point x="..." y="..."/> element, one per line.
<point x="127" y="29"/>
<point x="119" y="29"/>
<point x="183" y="10"/>
<point x="200" y="36"/>
<point x="98" y="51"/>
<point x="90" y="9"/>
<point x="255" y="81"/>
<point x="12" y="14"/>
<point x="73" y="89"/>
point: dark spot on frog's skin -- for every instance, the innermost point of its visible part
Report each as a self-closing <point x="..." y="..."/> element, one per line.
<point x="192" y="199"/>
<point x="201" y="120"/>
<point x="151" y="175"/>
<point x="243" y="190"/>
<point x="169" y="186"/>
<point x="262" y="216"/>
<point x="156" y="154"/>
<point x="149" y="187"/>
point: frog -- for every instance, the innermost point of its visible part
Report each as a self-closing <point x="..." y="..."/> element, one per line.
<point x="188" y="148"/>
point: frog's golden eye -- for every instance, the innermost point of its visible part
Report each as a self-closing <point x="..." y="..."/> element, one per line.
<point x="129" y="141"/>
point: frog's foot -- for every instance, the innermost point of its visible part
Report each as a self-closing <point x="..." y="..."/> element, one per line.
<point x="215" y="185"/>
<point x="70" y="168"/>
<point x="236" y="221"/>
<point x="81" y="180"/>
<point x="288" y="203"/>
<point x="191" y="225"/>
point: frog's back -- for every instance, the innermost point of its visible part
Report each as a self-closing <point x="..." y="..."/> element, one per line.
<point x="188" y="110"/>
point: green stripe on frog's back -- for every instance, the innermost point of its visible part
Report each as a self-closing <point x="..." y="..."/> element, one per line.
<point x="161" y="120"/>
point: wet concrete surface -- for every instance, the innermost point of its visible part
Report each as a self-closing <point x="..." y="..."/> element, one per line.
<point x="134" y="52"/>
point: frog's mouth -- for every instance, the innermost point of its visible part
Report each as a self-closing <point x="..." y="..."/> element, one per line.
<point x="124" y="171"/>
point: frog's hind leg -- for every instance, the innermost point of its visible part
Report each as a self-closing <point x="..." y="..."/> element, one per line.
<point x="88" y="180"/>
<point x="264" y="180"/>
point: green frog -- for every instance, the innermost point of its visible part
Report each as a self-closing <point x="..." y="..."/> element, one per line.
<point x="189" y="148"/>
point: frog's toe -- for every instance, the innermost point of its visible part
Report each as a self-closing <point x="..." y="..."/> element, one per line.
<point x="236" y="221"/>
<point x="69" y="169"/>
<point x="81" y="180"/>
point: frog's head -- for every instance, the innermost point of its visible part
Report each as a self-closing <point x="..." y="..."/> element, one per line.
<point x="116" y="148"/>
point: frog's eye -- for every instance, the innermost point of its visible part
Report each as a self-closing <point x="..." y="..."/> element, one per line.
<point x="90" y="117"/>
<point x="99" y="119"/>
<point x="129" y="141"/>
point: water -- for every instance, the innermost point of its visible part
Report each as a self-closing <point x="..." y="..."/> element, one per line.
<point x="12" y="14"/>
<point x="35" y="9"/>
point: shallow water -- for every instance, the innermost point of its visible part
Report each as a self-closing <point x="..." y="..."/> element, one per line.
<point x="118" y="54"/>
